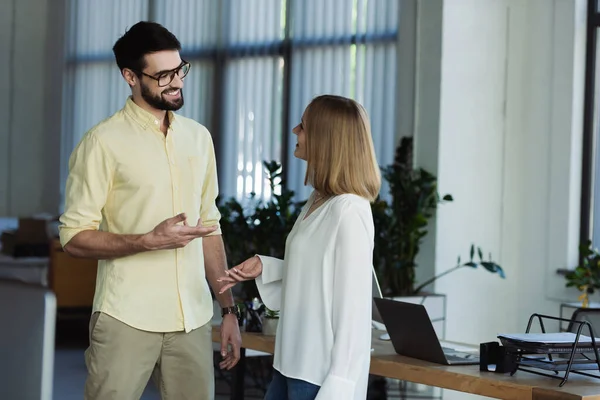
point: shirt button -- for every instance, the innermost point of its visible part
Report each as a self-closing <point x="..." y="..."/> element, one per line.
<point x="156" y="121"/>
<point x="173" y="162"/>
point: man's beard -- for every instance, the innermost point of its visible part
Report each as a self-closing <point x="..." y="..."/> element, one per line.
<point x="158" y="102"/>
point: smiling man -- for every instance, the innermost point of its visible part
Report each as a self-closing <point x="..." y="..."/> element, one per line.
<point x="140" y="198"/>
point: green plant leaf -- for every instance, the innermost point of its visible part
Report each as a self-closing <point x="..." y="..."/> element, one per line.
<point x="447" y="197"/>
<point x="480" y="253"/>
<point x="587" y="273"/>
<point x="472" y="252"/>
<point x="470" y="264"/>
<point x="500" y="271"/>
<point x="493" y="268"/>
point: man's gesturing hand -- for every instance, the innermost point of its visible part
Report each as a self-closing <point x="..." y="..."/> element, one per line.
<point x="170" y="234"/>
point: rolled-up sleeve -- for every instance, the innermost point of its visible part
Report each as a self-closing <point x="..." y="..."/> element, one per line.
<point x="87" y="188"/>
<point x="209" y="212"/>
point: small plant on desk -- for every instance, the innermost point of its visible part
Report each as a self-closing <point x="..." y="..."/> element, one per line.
<point x="271" y="313"/>
<point x="586" y="277"/>
<point x="270" y="321"/>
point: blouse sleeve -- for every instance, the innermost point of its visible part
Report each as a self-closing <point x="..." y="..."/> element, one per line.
<point x="352" y="300"/>
<point x="269" y="282"/>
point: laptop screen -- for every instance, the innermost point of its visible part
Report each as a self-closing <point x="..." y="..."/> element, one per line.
<point x="376" y="294"/>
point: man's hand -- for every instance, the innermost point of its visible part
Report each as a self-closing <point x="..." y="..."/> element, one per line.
<point x="230" y="335"/>
<point x="249" y="269"/>
<point x="215" y="265"/>
<point x="170" y="234"/>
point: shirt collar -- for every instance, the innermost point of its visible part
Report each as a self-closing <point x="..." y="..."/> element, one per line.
<point x="145" y="118"/>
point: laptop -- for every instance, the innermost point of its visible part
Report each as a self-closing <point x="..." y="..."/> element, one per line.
<point x="413" y="335"/>
<point x="377" y="322"/>
<point x="27" y="321"/>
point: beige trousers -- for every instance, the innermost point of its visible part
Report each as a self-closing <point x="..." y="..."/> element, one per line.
<point x="121" y="359"/>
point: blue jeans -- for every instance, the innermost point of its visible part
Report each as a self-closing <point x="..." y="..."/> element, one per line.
<point x="284" y="388"/>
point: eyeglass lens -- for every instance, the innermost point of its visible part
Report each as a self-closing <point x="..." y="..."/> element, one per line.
<point x="167" y="78"/>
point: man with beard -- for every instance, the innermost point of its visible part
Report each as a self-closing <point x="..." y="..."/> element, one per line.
<point x="140" y="198"/>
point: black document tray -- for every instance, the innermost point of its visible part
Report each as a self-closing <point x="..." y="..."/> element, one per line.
<point x="564" y="357"/>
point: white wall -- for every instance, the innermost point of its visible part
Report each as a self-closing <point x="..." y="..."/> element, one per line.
<point x="508" y="148"/>
<point x="506" y="143"/>
<point x="29" y="136"/>
<point x="471" y="165"/>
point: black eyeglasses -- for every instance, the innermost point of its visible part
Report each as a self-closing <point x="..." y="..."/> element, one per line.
<point x="165" y="78"/>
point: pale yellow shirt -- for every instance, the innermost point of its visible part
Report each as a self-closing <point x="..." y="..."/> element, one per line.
<point x="125" y="177"/>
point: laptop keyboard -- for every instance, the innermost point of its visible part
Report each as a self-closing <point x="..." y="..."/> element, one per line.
<point x="453" y="355"/>
<point x="465" y="356"/>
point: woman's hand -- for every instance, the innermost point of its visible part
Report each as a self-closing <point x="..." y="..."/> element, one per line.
<point x="249" y="269"/>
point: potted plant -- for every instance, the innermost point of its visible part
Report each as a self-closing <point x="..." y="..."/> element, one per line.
<point x="269" y="322"/>
<point x="401" y="225"/>
<point x="259" y="227"/>
<point x="586" y="277"/>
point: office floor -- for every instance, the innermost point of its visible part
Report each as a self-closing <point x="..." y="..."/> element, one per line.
<point x="70" y="371"/>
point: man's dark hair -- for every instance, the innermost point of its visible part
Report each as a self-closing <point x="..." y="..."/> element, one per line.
<point x="141" y="39"/>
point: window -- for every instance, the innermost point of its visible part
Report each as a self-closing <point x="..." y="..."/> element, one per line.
<point x="255" y="66"/>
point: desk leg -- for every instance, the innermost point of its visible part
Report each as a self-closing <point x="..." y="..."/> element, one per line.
<point x="238" y="379"/>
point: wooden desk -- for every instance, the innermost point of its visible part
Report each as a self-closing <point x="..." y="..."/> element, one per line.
<point x="468" y="379"/>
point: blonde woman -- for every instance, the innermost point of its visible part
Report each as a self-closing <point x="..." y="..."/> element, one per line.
<point x="323" y="284"/>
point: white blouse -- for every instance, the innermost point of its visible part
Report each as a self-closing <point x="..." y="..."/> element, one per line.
<point x="323" y="289"/>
